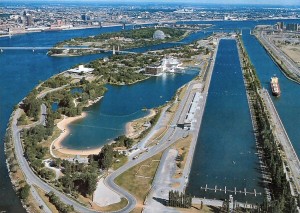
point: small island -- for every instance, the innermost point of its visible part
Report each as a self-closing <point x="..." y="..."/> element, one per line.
<point x="126" y="39"/>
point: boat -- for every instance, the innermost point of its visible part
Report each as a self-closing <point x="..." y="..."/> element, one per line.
<point x="275" y="86"/>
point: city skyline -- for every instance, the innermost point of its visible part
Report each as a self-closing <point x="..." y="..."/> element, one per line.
<point x="221" y="2"/>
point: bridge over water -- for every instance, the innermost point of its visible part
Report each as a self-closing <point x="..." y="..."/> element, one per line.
<point x="64" y="48"/>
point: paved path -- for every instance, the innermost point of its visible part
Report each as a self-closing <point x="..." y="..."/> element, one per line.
<point x="283" y="138"/>
<point x="162" y="183"/>
<point x="104" y="196"/>
<point x="219" y="203"/>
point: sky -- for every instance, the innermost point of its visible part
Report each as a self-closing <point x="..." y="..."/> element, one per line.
<point x="264" y="2"/>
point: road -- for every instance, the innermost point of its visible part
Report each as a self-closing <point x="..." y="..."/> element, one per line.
<point x="171" y="136"/>
<point x="288" y="62"/>
<point x="280" y="133"/>
<point x="31" y="177"/>
<point x="164" y="180"/>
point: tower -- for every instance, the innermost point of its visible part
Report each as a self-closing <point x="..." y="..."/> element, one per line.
<point x="114" y="51"/>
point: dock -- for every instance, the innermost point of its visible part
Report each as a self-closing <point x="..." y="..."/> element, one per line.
<point x="234" y="191"/>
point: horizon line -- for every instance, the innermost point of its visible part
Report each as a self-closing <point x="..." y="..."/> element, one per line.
<point x="152" y="1"/>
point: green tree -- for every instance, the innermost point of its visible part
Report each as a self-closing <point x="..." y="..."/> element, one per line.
<point x="106" y="156"/>
<point x="24" y="192"/>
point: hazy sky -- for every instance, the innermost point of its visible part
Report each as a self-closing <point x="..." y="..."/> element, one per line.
<point x="276" y="2"/>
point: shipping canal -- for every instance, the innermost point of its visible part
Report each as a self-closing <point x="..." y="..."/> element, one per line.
<point x="287" y="104"/>
<point x="225" y="152"/>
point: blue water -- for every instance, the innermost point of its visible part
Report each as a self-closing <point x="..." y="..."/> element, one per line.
<point x="54" y="106"/>
<point x="21" y="71"/>
<point x="288" y="104"/>
<point x="225" y="150"/>
<point x="106" y="119"/>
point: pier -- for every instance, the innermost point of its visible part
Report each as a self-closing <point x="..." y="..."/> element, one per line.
<point x="291" y="158"/>
<point x="235" y="190"/>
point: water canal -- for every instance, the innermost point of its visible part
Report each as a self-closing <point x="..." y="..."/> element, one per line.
<point x="225" y="152"/>
<point x="288" y="103"/>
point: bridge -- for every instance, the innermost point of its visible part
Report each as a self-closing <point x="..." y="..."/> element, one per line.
<point x="65" y="48"/>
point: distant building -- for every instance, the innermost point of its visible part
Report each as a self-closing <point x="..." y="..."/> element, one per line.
<point x="292" y="27"/>
<point x="81" y="69"/>
<point x="190" y="116"/>
<point x="78" y="159"/>
<point x="85" y="17"/>
<point x="169" y="64"/>
<point x="280" y="25"/>
<point x="158" y="34"/>
<point x="29" y="20"/>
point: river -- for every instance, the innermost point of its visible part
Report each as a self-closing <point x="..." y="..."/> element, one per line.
<point x="21" y="71"/>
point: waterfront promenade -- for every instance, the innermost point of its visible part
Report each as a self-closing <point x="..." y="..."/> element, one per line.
<point x="291" y="157"/>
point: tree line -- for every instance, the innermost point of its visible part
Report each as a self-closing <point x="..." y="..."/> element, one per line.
<point x="282" y="200"/>
<point x="60" y="206"/>
<point x="181" y="200"/>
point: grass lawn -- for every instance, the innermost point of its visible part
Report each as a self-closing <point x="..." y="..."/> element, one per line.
<point x="122" y="161"/>
<point x="139" y="186"/>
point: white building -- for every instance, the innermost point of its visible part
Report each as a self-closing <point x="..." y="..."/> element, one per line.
<point x="170" y="64"/>
<point x="81" y="69"/>
<point x="158" y="34"/>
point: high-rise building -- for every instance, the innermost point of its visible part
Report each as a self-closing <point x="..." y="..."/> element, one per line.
<point x="29" y="20"/>
<point x="292" y="27"/>
<point x="280" y="25"/>
<point x="85" y="17"/>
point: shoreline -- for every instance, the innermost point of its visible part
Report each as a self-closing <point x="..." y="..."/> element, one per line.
<point x="129" y="130"/>
<point x="57" y="144"/>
